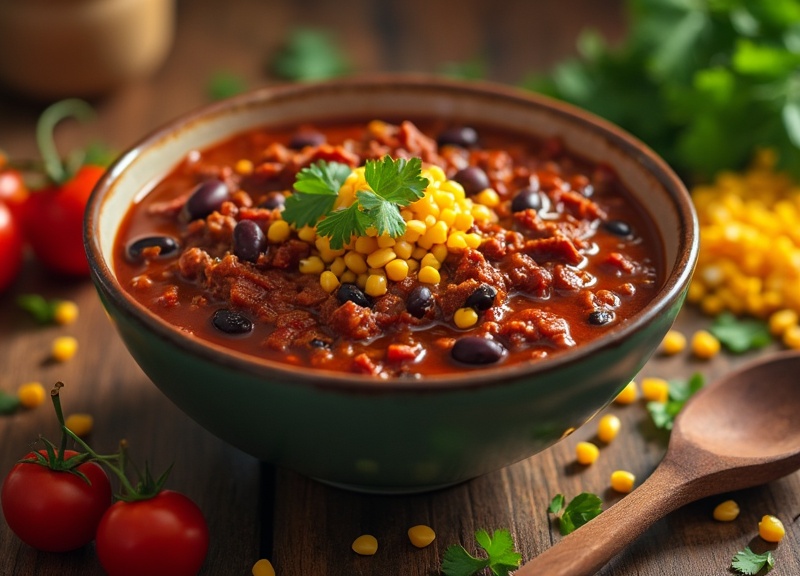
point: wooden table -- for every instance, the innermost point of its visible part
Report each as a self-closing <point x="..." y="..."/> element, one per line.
<point x="305" y="527"/>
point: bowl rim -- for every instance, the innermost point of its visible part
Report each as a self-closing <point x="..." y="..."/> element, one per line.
<point x="672" y="289"/>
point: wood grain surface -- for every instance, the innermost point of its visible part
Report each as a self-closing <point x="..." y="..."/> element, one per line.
<point x="304" y="527"/>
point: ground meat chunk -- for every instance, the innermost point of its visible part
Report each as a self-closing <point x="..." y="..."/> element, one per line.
<point x="474" y="266"/>
<point x="353" y="322"/>
<point x="193" y="263"/>
<point x="557" y="248"/>
<point x="570" y="279"/>
<point x="525" y="275"/>
<point x="455" y="295"/>
<point x="533" y="325"/>
<point x="287" y="255"/>
<point x="388" y="310"/>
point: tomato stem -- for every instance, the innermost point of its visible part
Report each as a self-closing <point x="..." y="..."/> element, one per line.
<point x="45" y="128"/>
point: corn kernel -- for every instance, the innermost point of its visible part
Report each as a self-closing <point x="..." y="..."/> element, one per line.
<point x="403" y="249"/>
<point x="705" y="345"/>
<point x="263" y="568"/>
<point x="417" y="228"/>
<point x="586" y="453"/>
<point x="311" y="265"/>
<point x="307" y="234"/>
<point x="791" y="338"/>
<point x="771" y="529"/>
<point x="380" y="257"/>
<point x="385" y="241"/>
<point x="243" y="167"/>
<point x="655" y="389"/>
<point x="782" y="320"/>
<point x="397" y="270"/>
<point x="622" y="481"/>
<point x="463" y="221"/>
<point x="338" y="266"/>
<point x="375" y="285"/>
<point x="440" y="252"/>
<point x="448" y="216"/>
<point x="31" y="394"/>
<point x="444" y="198"/>
<point x="673" y="342"/>
<point x="465" y="318"/>
<point x="419" y="253"/>
<point x="329" y="281"/>
<point x="473" y="240"/>
<point x="366" y="245"/>
<point x="481" y="213"/>
<point x="66" y="312"/>
<point x="429" y="275"/>
<point x="80" y="424"/>
<point x="726" y="511"/>
<point x="437" y="234"/>
<point x="488" y="197"/>
<point x="436" y="173"/>
<point x="355" y="262"/>
<point x="629" y="394"/>
<point x="456" y="241"/>
<point x="430" y="260"/>
<point x="348" y="277"/>
<point x="278" y="231"/>
<point x="608" y="428"/>
<point x="64" y="348"/>
<point x="365" y="545"/>
<point x="421" y="535"/>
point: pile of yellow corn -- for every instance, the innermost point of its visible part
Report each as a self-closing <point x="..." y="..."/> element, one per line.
<point x="749" y="262"/>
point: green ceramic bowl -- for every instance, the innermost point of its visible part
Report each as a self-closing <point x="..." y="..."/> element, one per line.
<point x="392" y="436"/>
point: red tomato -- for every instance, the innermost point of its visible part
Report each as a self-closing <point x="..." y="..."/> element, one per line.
<point x="54" y="223"/>
<point x="55" y="511"/>
<point x="11" y="247"/>
<point x="163" y="536"/>
<point x="13" y="192"/>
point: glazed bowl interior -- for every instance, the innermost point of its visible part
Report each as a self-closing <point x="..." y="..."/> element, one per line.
<point x="425" y="433"/>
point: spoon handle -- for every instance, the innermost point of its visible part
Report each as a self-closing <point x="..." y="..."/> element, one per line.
<point x="585" y="551"/>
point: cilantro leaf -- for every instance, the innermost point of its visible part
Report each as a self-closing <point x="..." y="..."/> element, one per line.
<point x="663" y="413"/>
<point x="224" y="84"/>
<point x="341" y="225"/>
<point x="740" y="334"/>
<point x="748" y="562"/>
<point x="393" y="183"/>
<point x="8" y="403"/>
<point x="310" y="54"/>
<point x="578" y="512"/>
<point x="316" y="190"/>
<point x="42" y="310"/>
<point x="501" y="556"/>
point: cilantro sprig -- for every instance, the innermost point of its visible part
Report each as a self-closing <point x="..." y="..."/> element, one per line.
<point x="578" y="512"/>
<point x="393" y="184"/>
<point x="749" y="563"/>
<point x="740" y="335"/>
<point x="501" y="556"/>
<point x="664" y="413"/>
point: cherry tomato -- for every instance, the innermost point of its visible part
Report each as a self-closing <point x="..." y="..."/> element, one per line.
<point x="54" y="223"/>
<point x="55" y="511"/>
<point x="13" y="192"/>
<point x="11" y="247"/>
<point x="165" y="535"/>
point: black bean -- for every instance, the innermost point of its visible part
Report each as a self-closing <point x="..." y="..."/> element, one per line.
<point x="600" y="316"/>
<point x="273" y="200"/>
<point x="473" y="179"/>
<point x="482" y="298"/>
<point x="352" y="293"/>
<point x="419" y="301"/>
<point x="167" y="244"/>
<point x="463" y="136"/>
<point x="618" y="227"/>
<point x="231" y="322"/>
<point x="477" y="350"/>
<point x="303" y="138"/>
<point x="529" y="198"/>
<point x="206" y="198"/>
<point x="249" y="240"/>
<point x="317" y="343"/>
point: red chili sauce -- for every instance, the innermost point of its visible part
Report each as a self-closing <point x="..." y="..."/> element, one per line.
<point x="567" y="257"/>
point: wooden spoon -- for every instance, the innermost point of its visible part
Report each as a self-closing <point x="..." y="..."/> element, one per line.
<point x="741" y="431"/>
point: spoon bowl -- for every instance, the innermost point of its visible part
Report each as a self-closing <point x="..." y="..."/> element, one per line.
<point x="738" y="432"/>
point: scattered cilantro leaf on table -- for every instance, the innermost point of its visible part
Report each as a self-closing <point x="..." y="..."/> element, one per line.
<point x="501" y="556"/>
<point x="310" y="54"/>
<point x="578" y="512"/>
<point x="8" y="403"/>
<point x="223" y="84"/>
<point x="393" y="184"/>
<point x="748" y="562"/>
<point x="41" y="309"/>
<point x="664" y="413"/>
<point x="740" y="335"/>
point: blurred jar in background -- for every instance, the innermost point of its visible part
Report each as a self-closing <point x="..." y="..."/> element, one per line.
<point x="51" y="49"/>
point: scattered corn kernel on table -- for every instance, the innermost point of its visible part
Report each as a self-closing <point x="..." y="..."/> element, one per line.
<point x="304" y="527"/>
